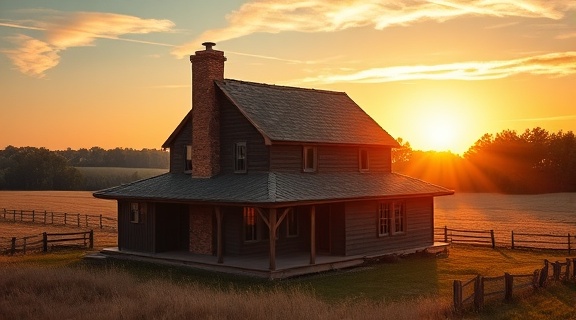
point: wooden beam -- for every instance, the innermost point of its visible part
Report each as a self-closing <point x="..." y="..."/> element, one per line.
<point x="313" y="235"/>
<point x="282" y="216"/>
<point x="219" y="243"/>
<point x="272" y="233"/>
<point x="263" y="216"/>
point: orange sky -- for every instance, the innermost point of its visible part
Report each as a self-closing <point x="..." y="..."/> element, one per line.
<point x="439" y="74"/>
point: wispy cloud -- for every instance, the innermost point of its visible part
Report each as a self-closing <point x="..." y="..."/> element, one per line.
<point x="63" y="30"/>
<point x="558" y="118"/>
<point x="274" y="16"/>
<point x="552" y="64"/>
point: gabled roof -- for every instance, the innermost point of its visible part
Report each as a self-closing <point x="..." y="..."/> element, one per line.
<point x="274" y="188"/>
<point x="290" y="114"/>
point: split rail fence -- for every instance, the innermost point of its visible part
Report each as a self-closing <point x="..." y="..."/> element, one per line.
<point x="45" y="241"/>
<point x="513" y="240"/>
<point x="59" y="218"/>
<point x="476" y="291"/>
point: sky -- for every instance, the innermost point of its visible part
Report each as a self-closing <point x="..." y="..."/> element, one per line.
<point x="438" y="74"/>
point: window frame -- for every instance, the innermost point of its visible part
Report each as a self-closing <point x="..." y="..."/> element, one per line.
<point x="188" y="158"/>
<point x="292" y="213"/>
<point x="239" y="156"/>
<point x="137" y="213"/>
<point x="306" y="166"/>
<point x="251" y="214"/>
<point x="392" y="219"/>
<point x="363" y="160"/>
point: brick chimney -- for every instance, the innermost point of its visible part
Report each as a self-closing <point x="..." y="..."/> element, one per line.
<point x="207" y="66"/>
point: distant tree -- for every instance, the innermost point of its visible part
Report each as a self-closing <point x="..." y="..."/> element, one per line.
<point x="31" y="168"/>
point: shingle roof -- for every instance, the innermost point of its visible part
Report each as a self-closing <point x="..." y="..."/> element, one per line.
<point x="290" y="114"/>
<point x="274" y="188"/>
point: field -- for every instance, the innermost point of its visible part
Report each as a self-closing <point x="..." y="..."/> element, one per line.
<point x="104" y="177"/>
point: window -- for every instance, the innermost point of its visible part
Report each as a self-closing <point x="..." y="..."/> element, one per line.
<point x="391" y="218"/>
<point x="363" y="160"/>
<point x="384" y="219"/>
<point x="240" y="157"/>
<point x="137" y="212"/>
<point x="250" y="230"/>
<point x="188" y="165"/>
<point x="399" y="218"/>
<point x="291" y="223"/>
<point x="310" y="159"/>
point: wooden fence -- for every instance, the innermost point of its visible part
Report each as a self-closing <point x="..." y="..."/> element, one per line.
<point x="59" y="218"/>
<point x="44" y="241"/>
<point x="477" y="290"/>
<point x="513" y="240"/>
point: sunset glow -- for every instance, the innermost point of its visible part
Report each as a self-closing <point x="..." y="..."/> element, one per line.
<point x="439" y="74"/>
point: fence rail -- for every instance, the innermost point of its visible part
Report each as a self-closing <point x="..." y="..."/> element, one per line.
<point x="505" y="286"/>
<point x="515" y="241"/>
<point x="59" y="218"/>
<point x="44" y="241"/>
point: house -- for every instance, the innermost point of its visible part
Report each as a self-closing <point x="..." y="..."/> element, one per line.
<point x="273" y="181"/>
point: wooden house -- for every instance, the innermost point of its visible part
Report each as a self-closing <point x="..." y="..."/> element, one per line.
<point x="274" y="181"/>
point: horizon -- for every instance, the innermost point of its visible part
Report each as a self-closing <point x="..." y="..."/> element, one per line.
<point x="438" y="74"/>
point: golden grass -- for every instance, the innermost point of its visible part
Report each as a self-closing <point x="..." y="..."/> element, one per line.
<point x="72" y="293"/>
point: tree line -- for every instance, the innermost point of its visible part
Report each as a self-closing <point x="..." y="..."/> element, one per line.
<point x="31" y="168"/>
<point x="534" y="161"/>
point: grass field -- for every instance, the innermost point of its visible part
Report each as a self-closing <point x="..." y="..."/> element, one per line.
<point x="105" y="177"/>
<point x="63" y="286"/>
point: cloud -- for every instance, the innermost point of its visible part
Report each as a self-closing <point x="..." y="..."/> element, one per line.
<point x="62" y="30"/>
<point x="274" y="16"/>
<point x="552" y="64"/>
<point x="558" y="118"/>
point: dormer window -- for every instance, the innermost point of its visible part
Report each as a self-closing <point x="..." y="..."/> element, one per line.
<point x="363" y="163"/>
<point x="188" y="164"/>
<point x="240" y="157"/>
<point x="310" y="159"/>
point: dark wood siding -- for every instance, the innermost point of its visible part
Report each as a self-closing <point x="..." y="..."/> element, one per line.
<point x="234" y="243"/>
<point x="135" y="236"/>
<point x="234" y="127"/>
<point x="362" y="233"/>
<point x="288" y="158"/>
<point x="178" y="148"/>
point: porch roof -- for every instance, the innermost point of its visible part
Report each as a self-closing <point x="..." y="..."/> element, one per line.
<point x="274" y="188"/>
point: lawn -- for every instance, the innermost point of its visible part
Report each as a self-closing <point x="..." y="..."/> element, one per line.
<point x="416" y="286"/>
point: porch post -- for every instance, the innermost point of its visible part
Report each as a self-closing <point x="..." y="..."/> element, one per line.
<point x="313" y="235"/>
<point x="219" y="235"/>
<point x="272" y="233"/>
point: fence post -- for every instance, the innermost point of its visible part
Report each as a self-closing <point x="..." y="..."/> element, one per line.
<point x="512" y="239"/>
<point x="568" y="266"/>
<point x="574" y="268"/>
<point x="52" y="217"/>
<point x="492" y="236"/>
<point x="14" y="215"/>
<point x="13" y="246"/>
<point x="535" y="278"/>
<point x="4" y="213"/>
<point x="24" y="245"/>
<point x="91" y="239"/>
<point x="65" y="218"/>
<point x="478" y="293"/>
<point x="44" y="242"/>
<point x="100" y="221"/>
<point x="543" y="275"/>
<point x="457" y="297"/>
<point x="509" y="286"/>
<point x="44" y="216"/>
<point x="33" y="214"/>
<point x="556" y="270"/>
<point x="569" y="249"/>
<point x="21" y="215"/>
<point x="78" y="219"/>
<point x="445" y="233"/>
<point x="86" y="217"/>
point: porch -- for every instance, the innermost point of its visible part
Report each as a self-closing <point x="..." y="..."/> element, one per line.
<point x="287" y="266"/>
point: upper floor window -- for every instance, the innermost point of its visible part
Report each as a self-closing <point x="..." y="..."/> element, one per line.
<point x="138" y="212"/>
<point x="310" y="159"/>
<point x="188" y="165"/>
<point x="363" y="160"/>
<point x="240" y="157"/>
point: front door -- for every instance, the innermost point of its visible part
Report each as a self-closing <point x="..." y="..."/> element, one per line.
<point x="323" y="229"/>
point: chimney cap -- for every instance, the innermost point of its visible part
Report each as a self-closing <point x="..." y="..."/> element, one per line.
<point x="208" y="45"/>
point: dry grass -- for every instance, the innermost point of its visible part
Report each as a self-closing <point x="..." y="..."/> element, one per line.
<point x="71" y="293"/>
<point x="58" y="201"/>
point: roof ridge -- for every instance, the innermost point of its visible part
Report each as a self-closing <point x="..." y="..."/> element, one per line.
<point x="284" y="87"/>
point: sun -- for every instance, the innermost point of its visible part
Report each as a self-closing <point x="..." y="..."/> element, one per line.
<point x="441" y="132"/>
